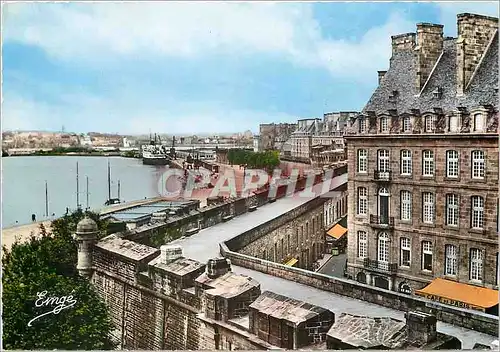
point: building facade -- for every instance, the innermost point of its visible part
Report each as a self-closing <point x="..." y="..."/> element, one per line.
<point x="424" y="181"/>
<point x="274" y="135"/>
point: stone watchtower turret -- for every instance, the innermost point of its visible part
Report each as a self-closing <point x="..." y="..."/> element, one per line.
<point x="86" y="236"/>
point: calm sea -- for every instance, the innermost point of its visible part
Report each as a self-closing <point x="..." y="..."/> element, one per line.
<point x="23" y="184"/>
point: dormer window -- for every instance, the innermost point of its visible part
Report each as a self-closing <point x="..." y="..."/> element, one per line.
<point x="406" y="124"/>
<point x="384" y="124"/>
<point x="430" y="123"/>
<point x="393" y="95"/>
<point x="362" y="125"/>
<point x="437" y="93"/>
<point x="478" y="122"/>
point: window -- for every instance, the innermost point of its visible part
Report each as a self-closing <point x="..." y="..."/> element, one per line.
<point x="477" y="212"/>
<point x="405" y="205"/>
<point x="384" y="124"/>
<point x="406" y="124"/>
<point x="362" y="244"/>
<point x="478" y="123"/>
<point x="428" y="163"/>
<point x="476" y="264"/>
<point x="452" y="163"/>
<point x="406" y="164"/>
<point x="453" y="123"/>
<point x="450" y="263"/>
<point x="452" y="210"/>
<point x="362" y="160"/>
<point x="428" y="207"/>
<point x="405" y="252"/>
<point x="383" y="161"/>
<point x="430" y="123"/>
<point x="478" y="164"/>
<point x="362" y="201"/>
<point x="362" y="125"/>
<point x="427" y="255"/>
<point x="383" y="251"/>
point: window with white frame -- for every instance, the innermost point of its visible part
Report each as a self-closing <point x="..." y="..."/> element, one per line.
<point x="428" y="163"/>
<point x="405" y="252"/>
<point x="476" y="264"/>
<point x="362" y="201"/>
<point x="383" y="251"/>
<point x="428" y="207"/>
<point x="362" y="160"/>
<point x="430" y="123"/>
<point x="478" y="164"/>
<point x="452" y="163"/>
<point x="383" y="161"/>
<point x="406" y="162"/>
<point x="478" y="122"/>
<point x="406" y="124"/>
<point x="450" y="263"/>
<point x="427" y="255"/>
<point x="362" y="244"/>
<point x="384" y="124"/>
<point x="405" y="205"/>
<point x="362" y="125"/>
<point x="452" y="210"/>
<point x="477" y="212"/>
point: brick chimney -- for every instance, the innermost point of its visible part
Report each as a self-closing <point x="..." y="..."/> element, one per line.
<point x="420" y="327"/>
<point x="169" y="253"/>
<point x="217" y="267"/>
<point x="475" y="33"/>
<point x="429" y="48"/>
<point x="403" y="42"/>
<point x="381" y="75"/>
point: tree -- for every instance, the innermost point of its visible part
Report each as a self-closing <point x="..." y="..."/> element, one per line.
<point x="48" y="263"/>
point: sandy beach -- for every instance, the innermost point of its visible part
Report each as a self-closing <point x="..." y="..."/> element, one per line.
<point x="22" y="232"/>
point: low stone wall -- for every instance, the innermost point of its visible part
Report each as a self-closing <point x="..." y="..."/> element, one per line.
<point x="477" y="321"/>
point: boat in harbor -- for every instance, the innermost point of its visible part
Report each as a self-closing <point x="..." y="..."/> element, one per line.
<point x="155" y="153"/>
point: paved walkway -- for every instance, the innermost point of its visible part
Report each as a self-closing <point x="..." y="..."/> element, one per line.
<point x="205" y="245"/>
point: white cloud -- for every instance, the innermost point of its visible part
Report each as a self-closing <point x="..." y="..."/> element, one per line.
<point x="96" y="33"/>
<point x="121" y="115"/>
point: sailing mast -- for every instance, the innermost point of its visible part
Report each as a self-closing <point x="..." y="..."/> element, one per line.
<point x="87" y="193"/>
<point x="77" y="188"/>
<point x="109" y="182"/>
<point x="46" y="200"/>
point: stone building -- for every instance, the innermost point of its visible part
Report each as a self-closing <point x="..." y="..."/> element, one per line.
<point x="419" y="332"/>
<point x="424" y="184"/>
<point x="298" y="242"/>
<point x="274" y="135"/>
<point x="288" y="323"/>
<point x="320" y="142"/>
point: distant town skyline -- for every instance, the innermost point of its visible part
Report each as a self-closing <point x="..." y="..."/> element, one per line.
<point x="198" y="68"/>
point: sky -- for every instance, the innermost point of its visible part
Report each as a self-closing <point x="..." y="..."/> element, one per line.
<point x="187" y="67"/>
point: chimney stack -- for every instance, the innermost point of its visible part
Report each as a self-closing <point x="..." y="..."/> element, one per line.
<point x="217" y="267"/>
<point x="403" y="42"/>
<point x="429" y="48"/>
<point x="169" y="253"/>
<point x="381" y="75"/>
<point x="420" y="327"/>
<point x="475" y="33"/>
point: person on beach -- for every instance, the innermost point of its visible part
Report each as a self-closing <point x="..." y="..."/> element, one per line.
<point x="33" y="217"/>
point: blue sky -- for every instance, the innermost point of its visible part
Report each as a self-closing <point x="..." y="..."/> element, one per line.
<point x="198" y="67"/>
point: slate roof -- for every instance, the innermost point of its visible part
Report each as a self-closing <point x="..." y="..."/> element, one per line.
<point x="289" y="309"/>
<point x="125" y="248"/>
<point x="181" y="266"/>
<point x="228" y="285"/>
<point x="402" y="73"/>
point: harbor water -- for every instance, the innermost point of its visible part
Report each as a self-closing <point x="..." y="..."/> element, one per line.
<point x="24" y="178"/>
